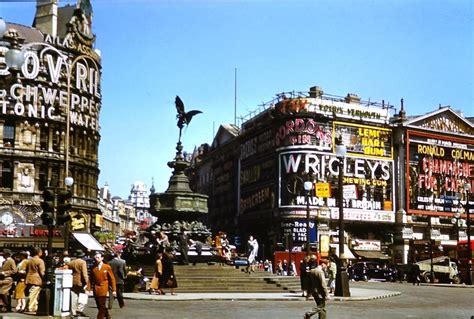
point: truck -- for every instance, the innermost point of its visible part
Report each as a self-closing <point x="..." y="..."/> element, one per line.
<point x="445" y="270"/>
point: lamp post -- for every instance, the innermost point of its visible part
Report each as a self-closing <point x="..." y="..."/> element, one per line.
<point x="467" y="190"/>
<point x="456" y="224"/>
<point x="430" y="249"/>
<point x="342" y="279"/>
<point x="308" y="186"/>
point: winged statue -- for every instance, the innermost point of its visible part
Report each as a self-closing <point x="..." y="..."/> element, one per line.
<point x="184" y="118"/>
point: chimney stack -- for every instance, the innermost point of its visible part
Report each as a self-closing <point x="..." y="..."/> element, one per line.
<point x="46" y="18"/>
<point x="315" y="91"/>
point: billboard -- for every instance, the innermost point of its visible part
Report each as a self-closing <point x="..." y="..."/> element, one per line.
<point x="438" y="167"/>
<point x="373" y="180"/>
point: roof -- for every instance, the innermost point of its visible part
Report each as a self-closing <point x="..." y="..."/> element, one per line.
<point x="30" y="34"/>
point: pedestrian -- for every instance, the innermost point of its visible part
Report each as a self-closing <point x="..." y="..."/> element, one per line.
<point x="252" y="247"/>
<point x="332" y="270"/>
<point x="155" y="286"/>
<point x="119" y="268"/>
<point x="279" y="268"/>
<point x="293" y="269"/>
<point x="284" y="268"/>
<point x="415" y="274"/>
<point x="162" y="241"/>
<point x="168" y="279"/>
<point x="304" y="275"/>
<point x="35" y="272"/>
<point x="21" y="286"/>
<point x="80" y="278"/>
<point x="6" y="280"/>
<point x="183" y="243"/>
<point x="318" y="289"/>
<point x="101" y="278"/>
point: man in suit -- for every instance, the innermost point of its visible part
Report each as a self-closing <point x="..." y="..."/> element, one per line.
<point x="35" y="272"/>
<point x="79" y="282"/>
<point x="318" y="289"/>
<point x="102" y="277"/>
<point x="183" y="243"/>
<point x="6" y="280"/>
<point x="119" y="267"/>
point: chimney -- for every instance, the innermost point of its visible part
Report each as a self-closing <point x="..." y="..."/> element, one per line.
<point x="352" y="98"/>
<point x="46" y="18"/>
<point x="315" y="91"/>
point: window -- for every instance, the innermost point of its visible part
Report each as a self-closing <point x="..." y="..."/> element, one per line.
<point x="8" y="135"/>
<point x="44" y="138"/>
<point x="43" y="177"/>
<point x="6" y="177"/>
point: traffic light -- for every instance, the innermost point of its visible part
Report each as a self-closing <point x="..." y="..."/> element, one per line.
<point x="426" y="247"/>
<point x="63" y="208"/>
<point x="47" y="205"/>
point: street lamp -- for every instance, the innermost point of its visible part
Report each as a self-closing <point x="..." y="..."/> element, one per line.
<point x="342" y="280"/>
<point x="308" y="186"/>
<point x="467" y="190"/>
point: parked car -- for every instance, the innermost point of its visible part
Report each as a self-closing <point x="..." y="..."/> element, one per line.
<point x="367" y="270"/>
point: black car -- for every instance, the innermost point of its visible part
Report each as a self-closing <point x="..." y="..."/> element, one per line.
<point x="367" y="270"/>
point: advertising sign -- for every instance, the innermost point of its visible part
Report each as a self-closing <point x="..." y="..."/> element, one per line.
<point x="81" y="95"/>
<point x="304" y="131"/>
<point x="437" y="169"/>
<point x="373" y="179"/>
<point x="364" y="140"/>
<point x="297" y="230"/>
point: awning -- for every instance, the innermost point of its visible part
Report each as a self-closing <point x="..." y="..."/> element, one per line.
<point x="347" y="252"/>
<point x="371" y="254"/>
<point x="88" y="241"/>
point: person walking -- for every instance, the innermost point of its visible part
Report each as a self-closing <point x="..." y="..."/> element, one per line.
<point x="155" y="286"/>
<point x="304" y="275"/>
<point x="252" y="246"/>
<point x="101" y="278"/>
<point x="415" y="274"/>
<point x="332" y="270"/>
<point x="21" y="286"/>
<point x="119" y="268"/>
<point x="80" y="278"/>
<point x="318" y="289"/>
<point x="168" y="279"/>
<point x="6" y="280"/>
<point x="35" y="272"/>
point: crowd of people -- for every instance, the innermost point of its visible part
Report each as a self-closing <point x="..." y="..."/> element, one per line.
<point x="23" y="274"/>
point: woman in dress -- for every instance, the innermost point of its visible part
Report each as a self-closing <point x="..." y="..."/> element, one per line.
<point x="168" y="279"/>
<point x="20" y="286"/>
<point x="155" y="286"/>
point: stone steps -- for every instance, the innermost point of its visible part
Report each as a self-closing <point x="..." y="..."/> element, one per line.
<point x="225" y="278"/>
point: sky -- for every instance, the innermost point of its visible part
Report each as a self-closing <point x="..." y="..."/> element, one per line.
<point x="418" y="50"/>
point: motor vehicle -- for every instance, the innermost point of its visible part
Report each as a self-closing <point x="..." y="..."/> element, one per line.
<point x="367" y="270"/>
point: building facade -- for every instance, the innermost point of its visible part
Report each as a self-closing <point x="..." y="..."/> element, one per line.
<point x="49" y="125"/>
<point x="254" y="175"/>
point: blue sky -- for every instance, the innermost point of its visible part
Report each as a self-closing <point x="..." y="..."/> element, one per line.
<point x="418" y="50"/>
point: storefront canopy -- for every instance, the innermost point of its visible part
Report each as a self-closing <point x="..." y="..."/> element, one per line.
<point x="347" y="252"/>
<point x="88" y="241"/>
<point x="371" y="254"/>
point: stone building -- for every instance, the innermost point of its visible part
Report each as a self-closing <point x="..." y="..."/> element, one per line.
<point x="49" y="127"/>
<point x="254" y="176"/>
<point x="435" y="179"/>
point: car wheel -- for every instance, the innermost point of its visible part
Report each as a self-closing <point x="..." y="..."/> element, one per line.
<point x="427" y="278"/>
<point x="456" y="280"/>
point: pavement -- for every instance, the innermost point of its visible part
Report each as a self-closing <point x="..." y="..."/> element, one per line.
<point x="357" y="294"/>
